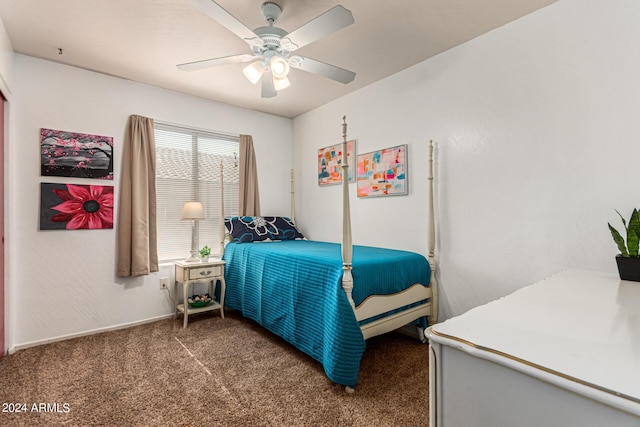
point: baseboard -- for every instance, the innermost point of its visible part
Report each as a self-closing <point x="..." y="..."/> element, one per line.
<point x="86" y="333"/>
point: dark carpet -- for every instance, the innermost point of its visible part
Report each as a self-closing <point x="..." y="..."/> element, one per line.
<point x="217" y="372"/>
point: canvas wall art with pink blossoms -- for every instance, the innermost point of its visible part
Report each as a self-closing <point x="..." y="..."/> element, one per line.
<point x="75" y="207"/>
<point x="78" y="155"/>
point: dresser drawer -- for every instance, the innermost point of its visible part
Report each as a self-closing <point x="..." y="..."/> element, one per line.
<point x="205" y="272"/>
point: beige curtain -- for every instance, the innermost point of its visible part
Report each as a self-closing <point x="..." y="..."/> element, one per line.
<point x="249" y="197"/>
<point x="137" y="235"/>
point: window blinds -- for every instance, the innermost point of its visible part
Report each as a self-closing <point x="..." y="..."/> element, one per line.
<point x="188" y="170"/>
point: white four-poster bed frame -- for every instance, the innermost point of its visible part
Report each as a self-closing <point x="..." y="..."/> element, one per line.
<point x="375" y="304"/>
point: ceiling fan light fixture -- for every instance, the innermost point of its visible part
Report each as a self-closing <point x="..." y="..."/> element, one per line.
<point x="254" y="71"/>
<point x="271" y="46"/>
<point x="281" y="82"/>
<point x="279" y="67"/>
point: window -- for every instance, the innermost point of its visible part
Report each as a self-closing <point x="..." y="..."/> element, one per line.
<point x="187" y="170"/>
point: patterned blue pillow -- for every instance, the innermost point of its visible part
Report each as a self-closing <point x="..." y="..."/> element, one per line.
<point x="248" y="229"/>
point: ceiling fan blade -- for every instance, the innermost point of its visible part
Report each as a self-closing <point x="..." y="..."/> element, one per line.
<point x="224" y="18"/>
<point x="214" y="62"/>
<point x="268" y="88"/>
<point x="329" y="71"/>
<point x="332" y="20"/>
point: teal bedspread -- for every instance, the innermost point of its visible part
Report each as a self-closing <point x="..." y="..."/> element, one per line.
<point x="293" y="288"/>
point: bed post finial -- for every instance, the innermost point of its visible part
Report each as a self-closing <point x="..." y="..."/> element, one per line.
<point x="221" y="228"/>
<point x="293" y="200"/>
<point x="344" y="128"/>
<point x="347" y="247"/>
<point x="431" y="241"/>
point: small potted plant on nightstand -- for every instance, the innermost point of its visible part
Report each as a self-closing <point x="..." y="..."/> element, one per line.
<point x="205" y="253"/>
<point x="628" y="260"/>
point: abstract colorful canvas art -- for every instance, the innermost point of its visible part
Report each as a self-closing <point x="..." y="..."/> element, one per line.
<point x="383" y="172"/>
<point x="330" y="164"/>
<point x="77" y="155"/>
<point x="74" y="207"/>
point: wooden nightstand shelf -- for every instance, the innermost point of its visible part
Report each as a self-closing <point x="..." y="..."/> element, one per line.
<point x="192" y="272"/>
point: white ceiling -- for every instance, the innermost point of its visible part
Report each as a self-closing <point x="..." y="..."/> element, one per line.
<point x="143" y="40"/>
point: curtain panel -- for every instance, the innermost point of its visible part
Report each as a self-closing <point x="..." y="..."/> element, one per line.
<point x="249" y="195"/>
<point x="137" y="233"/>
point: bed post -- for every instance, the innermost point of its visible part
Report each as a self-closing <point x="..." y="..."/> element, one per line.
<point x="293" y="202"/>
<point x="431" y="231"/>
<point x="347" y="249"/>
<point x="222" y="229"/>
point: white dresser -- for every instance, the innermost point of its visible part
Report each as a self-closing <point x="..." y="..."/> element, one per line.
<point x="563" y="352"/>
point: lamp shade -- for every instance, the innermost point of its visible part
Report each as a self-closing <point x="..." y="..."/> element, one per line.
<point x="281" y="83"/>
<point x="279" y="67"/>
<point x="192" y="210"/>
<point x="254" y="71"/>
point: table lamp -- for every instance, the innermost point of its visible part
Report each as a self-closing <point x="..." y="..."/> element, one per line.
<point x="193" y="211"/>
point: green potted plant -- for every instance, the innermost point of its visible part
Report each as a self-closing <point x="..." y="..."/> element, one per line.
<point x="205" y="252"/>
<point x="628" y="260"/>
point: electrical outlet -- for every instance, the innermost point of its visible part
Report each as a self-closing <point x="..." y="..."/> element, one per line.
<point x="164" y="283"/>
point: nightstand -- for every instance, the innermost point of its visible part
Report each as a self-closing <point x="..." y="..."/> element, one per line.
<point x="192" y="272"/>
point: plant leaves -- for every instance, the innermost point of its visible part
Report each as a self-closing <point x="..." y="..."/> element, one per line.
<point x="632" y="242"/>
<point x="633" y="234"/>
<point x="619" y="241"/>
<point x="623" y="221"/>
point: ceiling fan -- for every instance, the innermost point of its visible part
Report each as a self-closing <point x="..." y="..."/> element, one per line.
<point x="271" y="46"/>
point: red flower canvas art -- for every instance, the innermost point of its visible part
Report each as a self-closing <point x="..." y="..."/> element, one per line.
<point x="75" y="207"/>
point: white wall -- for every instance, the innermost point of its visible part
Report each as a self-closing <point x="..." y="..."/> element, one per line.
<point x="6" y="69"/>
<point x="63" y="282"/>
<point x="536" y="134"/>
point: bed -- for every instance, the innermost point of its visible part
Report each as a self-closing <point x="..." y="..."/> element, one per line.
<point x="327" y="298"/>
